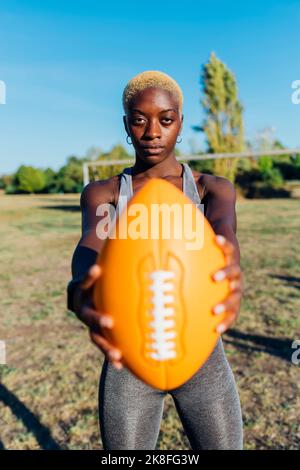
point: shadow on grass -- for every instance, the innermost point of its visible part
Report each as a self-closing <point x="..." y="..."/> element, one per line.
<point x="32" y="423"/>
<point x="274" y="346"/>
<point x="291" y="281"/>
<point x="67" y="208"/>
<point x="60" y="200"/>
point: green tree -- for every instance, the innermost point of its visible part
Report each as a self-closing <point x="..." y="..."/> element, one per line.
<point x="69" y="178"/>
<point x="5" y="180"/>
<point x="29" y="179"/>
<point x="223" y="122"/>
<point x="51" y="181"/>
<point x="117" y="152"/>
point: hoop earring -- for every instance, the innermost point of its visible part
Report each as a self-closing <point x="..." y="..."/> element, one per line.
<point x="179" y="141"/>
<point x="130" y="143"/>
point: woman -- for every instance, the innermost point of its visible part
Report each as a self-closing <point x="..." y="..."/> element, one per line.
<point x="130" y="411"/>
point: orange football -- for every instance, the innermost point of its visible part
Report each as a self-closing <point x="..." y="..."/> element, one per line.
<point x="156" y="284"/>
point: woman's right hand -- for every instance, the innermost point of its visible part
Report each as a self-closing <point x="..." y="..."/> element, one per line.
<point x="95" y="320"/>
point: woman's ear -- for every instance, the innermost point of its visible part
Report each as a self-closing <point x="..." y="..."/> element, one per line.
<point x="181" y="124"/>
<point x="125" y="124"/>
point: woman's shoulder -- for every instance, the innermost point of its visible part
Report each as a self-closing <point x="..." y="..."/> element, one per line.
<point x="97" y="192"/>
<point x="212" y="184"/>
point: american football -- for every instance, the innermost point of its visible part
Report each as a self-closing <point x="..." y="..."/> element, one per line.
<point x="156" y="284"/>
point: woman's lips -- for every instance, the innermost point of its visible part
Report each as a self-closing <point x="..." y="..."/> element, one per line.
<point x="153" y="150"/>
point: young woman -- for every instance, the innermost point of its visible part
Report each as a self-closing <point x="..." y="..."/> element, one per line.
<point x="208" y="405"/>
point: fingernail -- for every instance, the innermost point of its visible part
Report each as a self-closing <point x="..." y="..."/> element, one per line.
<point x="94" y="269"/>
<point x="220" y="239"/>
<point x="221" y="329"/>
<point x="91" y="270"/>
<point x="106" y="321"/>
<point x="220" y="308"/>
<point x="219" y="275"/>
<point x="118" y="366"/>
<point x="115" y="355"/>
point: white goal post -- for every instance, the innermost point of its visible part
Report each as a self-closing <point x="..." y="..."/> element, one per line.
<point x="205" y="156"/>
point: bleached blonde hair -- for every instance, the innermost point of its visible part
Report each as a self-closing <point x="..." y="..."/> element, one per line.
<point x="151" y="78"/>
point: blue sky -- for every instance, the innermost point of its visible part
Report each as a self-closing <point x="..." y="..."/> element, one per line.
<point x="65" y="64"/>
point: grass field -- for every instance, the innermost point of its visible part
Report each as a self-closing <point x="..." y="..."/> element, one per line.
<point x="48" y="390"/>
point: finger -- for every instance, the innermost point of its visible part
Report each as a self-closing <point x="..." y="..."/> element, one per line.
<point x="231" y="271"/>
<point x="236" y="285"/>
<point x="225" y="324"/>
<point x="113" y="353"/>
<point x="117" y="365"/>
<point x="95" y="319"/>
<point x="230" y="305"/>
<point x="92" y="275"/>
<point x="227" y="247"/>
<point x="230" y="250"/>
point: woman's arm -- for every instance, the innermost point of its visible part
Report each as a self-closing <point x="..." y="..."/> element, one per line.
<point x="85" y="272"/>
<point x="89" y="245"/>
<point x="220" y="200"/>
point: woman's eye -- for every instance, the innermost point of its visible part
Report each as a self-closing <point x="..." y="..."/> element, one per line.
<point x="141" y="120"/>
<point x="137" y="120"/>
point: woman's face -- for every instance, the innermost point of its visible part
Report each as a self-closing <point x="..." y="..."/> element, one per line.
<point x="153" y="122"/>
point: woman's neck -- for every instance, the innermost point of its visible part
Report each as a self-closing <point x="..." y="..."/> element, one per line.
<point x="168" y="167"/>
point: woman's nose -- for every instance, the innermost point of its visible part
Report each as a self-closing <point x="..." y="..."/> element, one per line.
<point x="152" y="129"/>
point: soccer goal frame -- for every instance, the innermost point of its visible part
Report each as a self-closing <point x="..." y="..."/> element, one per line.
<point x="207" y="156"/>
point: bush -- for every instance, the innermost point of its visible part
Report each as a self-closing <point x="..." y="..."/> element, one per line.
<point x="69" y="178"/>
<point x="273" y="178"/>
<point x="51" y="183"/>
<point x="265" y="164"/>
<point x="11" y="189"/>
<point x="204" y="166"/>
<point x="29" y="179"/>
<point x="5" y="181"/>
<point x="290" y="169"/>
<point x="296" y="160"/>
<point x="262" y="181"/>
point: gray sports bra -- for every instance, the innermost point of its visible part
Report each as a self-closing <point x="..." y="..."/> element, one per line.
<point x="189" y="187"/>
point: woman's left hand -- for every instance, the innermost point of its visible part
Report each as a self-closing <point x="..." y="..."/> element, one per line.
<point x="233" y="273"/>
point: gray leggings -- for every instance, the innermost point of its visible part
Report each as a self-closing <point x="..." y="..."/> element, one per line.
<point x="208" y="405"/>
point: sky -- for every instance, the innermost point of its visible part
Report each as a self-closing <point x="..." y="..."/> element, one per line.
<point x="65" y="65"/>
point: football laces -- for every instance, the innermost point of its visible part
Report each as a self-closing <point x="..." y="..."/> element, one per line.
<point x="163" y="322"/>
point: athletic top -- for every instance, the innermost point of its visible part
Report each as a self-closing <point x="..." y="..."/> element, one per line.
<point x="189" y="187"/>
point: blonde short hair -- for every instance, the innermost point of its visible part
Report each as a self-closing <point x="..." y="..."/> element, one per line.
<point x="151" y="78"/>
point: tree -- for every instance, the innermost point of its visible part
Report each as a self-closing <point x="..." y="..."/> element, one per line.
<point x="69" y="177"/>
<point x="51" y="183"/>
<point x="29" y="179"/>
<point x="5" y="180"/>
<point x="117" y="152"/>
<point x="223" y="123"/>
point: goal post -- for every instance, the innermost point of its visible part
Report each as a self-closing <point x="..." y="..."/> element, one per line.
<point x="89" y="168"/>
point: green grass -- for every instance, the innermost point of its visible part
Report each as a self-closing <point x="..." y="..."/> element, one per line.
<point x="48" y="390"/>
